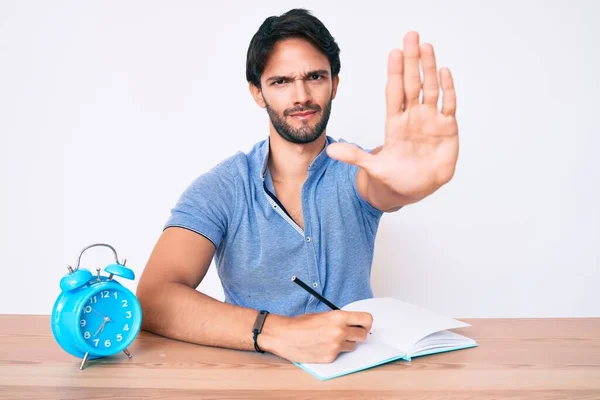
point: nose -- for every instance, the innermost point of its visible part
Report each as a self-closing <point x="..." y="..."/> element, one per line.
<point x="301" y="92"/>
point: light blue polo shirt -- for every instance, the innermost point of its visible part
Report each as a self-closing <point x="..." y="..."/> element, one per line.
<point x="259" y="247"/>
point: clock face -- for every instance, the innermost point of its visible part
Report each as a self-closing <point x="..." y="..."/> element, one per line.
<point x="107" y="320"/>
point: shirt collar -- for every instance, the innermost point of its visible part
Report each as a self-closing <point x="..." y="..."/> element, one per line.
<point x="314" y="165"/>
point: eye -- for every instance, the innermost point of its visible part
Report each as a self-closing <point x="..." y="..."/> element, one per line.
<point x="315" y="77"/>
<point x="278" y="82"/>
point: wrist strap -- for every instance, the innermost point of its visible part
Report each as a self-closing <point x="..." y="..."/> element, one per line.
<point x="258" y="325"/>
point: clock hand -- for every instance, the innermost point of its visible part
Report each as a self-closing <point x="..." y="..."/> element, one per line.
<point x="101" y="328"/>
<point x="102" y="315"/>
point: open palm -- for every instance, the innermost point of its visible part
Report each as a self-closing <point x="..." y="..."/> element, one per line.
<point x="420" y="149"/>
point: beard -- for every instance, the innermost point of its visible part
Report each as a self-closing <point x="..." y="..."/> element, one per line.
<point x="304" y="134"/>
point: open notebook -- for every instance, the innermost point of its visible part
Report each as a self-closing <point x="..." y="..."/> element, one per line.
<point x="400" y="331"/>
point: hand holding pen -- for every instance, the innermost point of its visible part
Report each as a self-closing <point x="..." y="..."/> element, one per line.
<point x="314" y="337"/>
<point x="329" y="304"/>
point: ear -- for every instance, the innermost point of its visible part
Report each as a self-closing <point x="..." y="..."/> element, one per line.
<point x="257" y="95"/>
<point x="335" y="81"/>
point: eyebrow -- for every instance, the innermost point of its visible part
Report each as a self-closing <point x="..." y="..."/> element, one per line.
<point x="323" y="72"/>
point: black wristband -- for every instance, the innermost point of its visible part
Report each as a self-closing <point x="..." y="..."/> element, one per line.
<point x="258" y="325"/>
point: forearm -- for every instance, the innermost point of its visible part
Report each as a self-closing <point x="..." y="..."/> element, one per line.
<point x="378" y="194"/>
<point x="180" y="312"/>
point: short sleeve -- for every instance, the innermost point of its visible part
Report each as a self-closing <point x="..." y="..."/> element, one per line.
<point x="207" y="204"/>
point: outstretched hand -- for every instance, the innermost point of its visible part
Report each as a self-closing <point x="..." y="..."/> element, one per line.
<point x="420" y="148"/>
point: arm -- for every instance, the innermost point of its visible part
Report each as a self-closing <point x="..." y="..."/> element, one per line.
<point x="378" y="194"/>
<point x="173" y="308"/>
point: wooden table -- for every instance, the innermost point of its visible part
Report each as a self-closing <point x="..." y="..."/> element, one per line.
<point x="516" y="358"/>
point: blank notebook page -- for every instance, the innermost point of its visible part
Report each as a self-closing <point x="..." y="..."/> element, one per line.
<point x="441" y="340"/>
<point x="402" y="325"/>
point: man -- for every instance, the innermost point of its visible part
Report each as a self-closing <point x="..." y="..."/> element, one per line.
<point x="299" y="203"/>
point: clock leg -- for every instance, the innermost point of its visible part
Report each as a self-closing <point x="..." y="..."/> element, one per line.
<point x="85" y="357"/>
<point x="127" y="352"/>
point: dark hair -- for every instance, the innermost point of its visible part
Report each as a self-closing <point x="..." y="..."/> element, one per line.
<point x="296" y="23"/>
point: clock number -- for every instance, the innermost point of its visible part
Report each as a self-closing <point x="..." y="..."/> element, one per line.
<point x="93" y="299"/>
<point x="86" y="335"/>
<point x="105" y="294"/>
<point x="126" y="327"/>
<point x="107" y="343"/>
<point x="119" y="337"/>
<point x="87" y="309"/>
<point x="124" y="303"/>
<point x="128" y="314"/>
<point x="96" y="342"/>
<point x="82" y="323"/>
<point x="115" y="293"/>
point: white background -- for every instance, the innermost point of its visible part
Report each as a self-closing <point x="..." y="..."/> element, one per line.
<point x="108" y="110"/>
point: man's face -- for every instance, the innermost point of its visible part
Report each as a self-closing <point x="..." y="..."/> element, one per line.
<point x="297" y="89"/>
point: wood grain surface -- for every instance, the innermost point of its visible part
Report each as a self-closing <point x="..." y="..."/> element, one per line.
<point x="515" y="359"/>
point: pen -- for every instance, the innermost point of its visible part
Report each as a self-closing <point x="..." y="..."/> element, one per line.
<point x="311" y="291"/>
<point x="304" y="286"/>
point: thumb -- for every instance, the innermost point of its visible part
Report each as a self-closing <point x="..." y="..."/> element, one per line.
<point x="349" y="153"/>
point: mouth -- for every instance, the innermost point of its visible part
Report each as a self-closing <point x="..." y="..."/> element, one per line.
<point x="303" y="115"/>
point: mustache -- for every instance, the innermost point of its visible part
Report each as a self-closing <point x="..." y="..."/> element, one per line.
<point x="315" y="107"/>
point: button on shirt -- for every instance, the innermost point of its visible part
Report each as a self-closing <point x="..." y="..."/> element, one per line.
<point x="259" y="247"/>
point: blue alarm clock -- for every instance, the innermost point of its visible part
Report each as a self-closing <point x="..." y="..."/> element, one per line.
<point x="95" y="316"/>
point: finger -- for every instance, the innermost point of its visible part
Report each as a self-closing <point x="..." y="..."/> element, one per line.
<point x="349" y="153"/>
<point x="431" y="88"/>
<point x="449" y="95"/>
<point x="356" y="334"/>
<point x="412" y="76"/>
<point x="394" y="89"/>
<point x="363" y="319"/>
